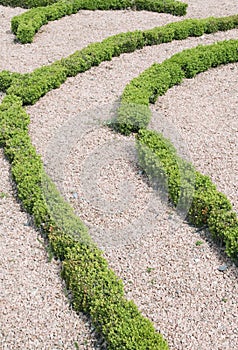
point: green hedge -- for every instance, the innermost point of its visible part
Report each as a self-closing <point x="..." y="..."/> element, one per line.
<point x="30" y="87"/>
<point x="165" y="169"/>
<point x="25" y="25"/>
<point x="27" y="3"/>
<point x="157" y="79"/>
<point x="188" y="189"/>
<point x="116" y="318"/>
<point x="95" y="288"/>
<point x="159" y="158"/>
<point x="6" y="79"/>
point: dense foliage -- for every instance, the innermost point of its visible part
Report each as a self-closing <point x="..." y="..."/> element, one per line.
<point x="27" y="24"/>
<point x="188" y="190"/>
<point x="94" y="286"/>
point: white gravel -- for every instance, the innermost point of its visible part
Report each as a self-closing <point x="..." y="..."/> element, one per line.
<point x="204" y="112"/>
<point x="175" y="282"/>
<point x="61" y="38"/>
<point x="35" y="312"/>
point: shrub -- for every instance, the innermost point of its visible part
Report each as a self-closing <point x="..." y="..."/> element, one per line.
<point x="157" y="79"/>
<point x="206" y="199"/>
<point x="176" y="8"/>
<point x="96" y="290"/>
<point x="94" y="286"/>
<point x="141" y="90"/>
<point x="188" y="190"/>
<point x="27" y="24"/>
<point x="139" y="116"/>
<point x="13" y="119"/>
<point x="117" y="319"/>
<point x="158" y="35"/>
<point x="27" y="3"/>
<point x="30" y="87"/>
<point x="220" y="220"/>
<point x="166" y="171"/>
<point x="6" y="79"/>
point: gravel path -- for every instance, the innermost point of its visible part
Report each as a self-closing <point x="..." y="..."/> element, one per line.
<point x="174" y="280"/>
<point x="35" y="313"/>
<point x="204" y="112"/>
<point x="61" y="38"/>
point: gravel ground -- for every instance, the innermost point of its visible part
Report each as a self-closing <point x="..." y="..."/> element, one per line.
<point x="174" y="280"/>
<point x="35" y="312"/>
<point x="204" y="112"/>
<point x="61" y="38"/>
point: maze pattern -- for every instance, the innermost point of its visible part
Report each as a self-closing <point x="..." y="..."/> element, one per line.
<point x="95" y="287"/>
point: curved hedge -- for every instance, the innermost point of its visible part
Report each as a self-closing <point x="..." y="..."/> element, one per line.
<point x="157" y="156"/>
<point x="25" y="26"/>
<point x="31" y="86"/>
<point x="95" y="288"/>
<point x="208" y="207"/>
<point x="158" y="78"/>
<point x="27" y="4"/>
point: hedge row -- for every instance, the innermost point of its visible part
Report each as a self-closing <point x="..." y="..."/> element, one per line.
<point x="27" y="24"/>
<point x="167" y="172"/>
<point x="6" y="79"/>
<point x="30" y="87"/>
<point x="27" y="4"/>
<point x="157" y="79"/>
<point x="95" y="288"/>
<point x="117" y="319"/>
<point x="188" y="189"/>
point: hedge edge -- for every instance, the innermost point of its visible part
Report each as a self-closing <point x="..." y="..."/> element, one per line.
<point x="157" y="79"/>
<point x="58" y="239"/>
<point x="27" y="4"/>
<point x="95" y="288"/>
<point x="25" y="25"/>
<point x="157" y="156"/>
<point x="31" y="86"/>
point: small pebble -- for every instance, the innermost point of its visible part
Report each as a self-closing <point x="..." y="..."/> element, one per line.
<point x="222" y="268"/>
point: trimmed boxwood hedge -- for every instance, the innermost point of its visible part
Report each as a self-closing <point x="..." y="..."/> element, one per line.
<point x="168" y="6"/>
<point x="95" y="288"/>
<point x="117" y="319"/>
<point x="113" y="46"/>
<point x="30" y="87"/>
<point x="27" y="4"/>
<point x="27" y="24"/>
<point x="158" y="78"/>
<point x="6" y="79"/>
<point x="208" y="208"/>
<point x="157" y="156"/>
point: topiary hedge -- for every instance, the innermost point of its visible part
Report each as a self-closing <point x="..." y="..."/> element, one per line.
<point x="159" y="159"/>
<point x="27" y="24"/>
<point x="157" y="79"/>
<point x="95" y="288"/>
<point x="6" y="79"/>
<point x="27" y="4"/>
<point x="117" y="319"/>
<point x="165" y="169"/>
<point x="207" y="207"/>
<point x="30" y="87"/>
